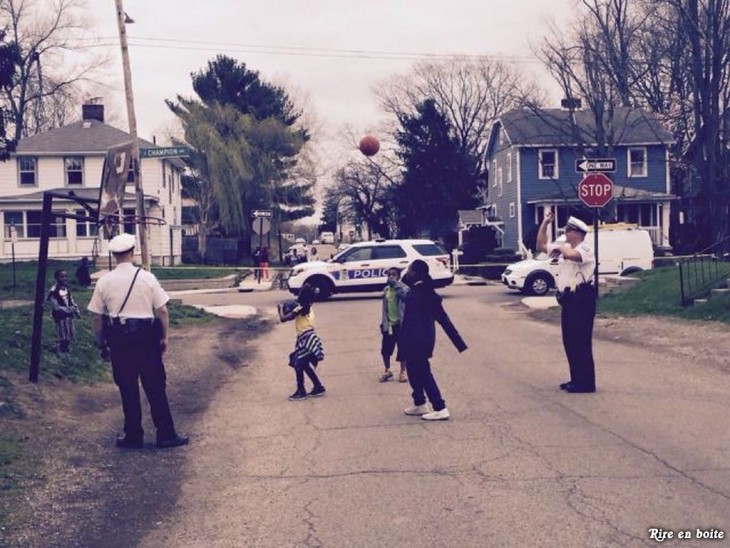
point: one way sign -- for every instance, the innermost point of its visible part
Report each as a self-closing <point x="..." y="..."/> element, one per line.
<point x="261" y="213"/>
<point x="603" y="165"/>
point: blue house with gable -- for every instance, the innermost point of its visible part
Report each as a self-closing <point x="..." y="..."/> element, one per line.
<point x="531" y="157"/>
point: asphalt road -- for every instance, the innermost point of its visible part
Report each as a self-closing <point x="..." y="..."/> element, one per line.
<point x="520" y="464"/>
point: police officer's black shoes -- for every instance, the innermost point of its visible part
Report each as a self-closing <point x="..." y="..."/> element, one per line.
<point x="176" y="441"/>
<point x="317" y="391"/>
<point x="129" y="443"/>
<point x="565" y="385"/>
<point x="575" y="389"/>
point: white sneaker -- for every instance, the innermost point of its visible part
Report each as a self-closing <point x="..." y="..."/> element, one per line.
<point x="436" y="415"/>
<point x="416" y="410"/>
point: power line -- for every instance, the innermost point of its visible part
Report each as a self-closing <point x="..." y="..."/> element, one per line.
<point x="302" y="51"/>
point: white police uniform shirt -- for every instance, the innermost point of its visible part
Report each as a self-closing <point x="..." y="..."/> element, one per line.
<point x="573" y="273"/>
<point x="147" y="294"/>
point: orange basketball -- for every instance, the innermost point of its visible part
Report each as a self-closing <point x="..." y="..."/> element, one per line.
<point x="369" y="145"/>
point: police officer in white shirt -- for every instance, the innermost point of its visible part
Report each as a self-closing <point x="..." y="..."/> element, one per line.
<point x="577" y="298"/>
<point x="124" y="306"/>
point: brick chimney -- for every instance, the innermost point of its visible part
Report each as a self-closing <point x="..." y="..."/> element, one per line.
<point x="92" y="112"/>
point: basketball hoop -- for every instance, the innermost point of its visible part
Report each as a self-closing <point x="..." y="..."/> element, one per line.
<point x="109" y="225"/>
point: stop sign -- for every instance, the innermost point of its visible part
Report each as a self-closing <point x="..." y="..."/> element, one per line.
<point x="595" y="190"/>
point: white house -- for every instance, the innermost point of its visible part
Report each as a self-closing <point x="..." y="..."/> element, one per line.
<point x="72" y="158"/>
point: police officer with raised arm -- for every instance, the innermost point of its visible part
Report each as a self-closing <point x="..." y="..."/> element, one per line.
<point x="125" y="303"/>
<point x="577" y="298"/>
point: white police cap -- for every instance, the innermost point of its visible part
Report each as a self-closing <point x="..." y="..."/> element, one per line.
<point x="121" y="243"/>
<point x="575" y="223"/>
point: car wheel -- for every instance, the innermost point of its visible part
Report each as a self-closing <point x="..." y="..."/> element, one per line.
<point x="538" y="284"/>
<point x="631" y="270"/>
<point x="322" y="286"/>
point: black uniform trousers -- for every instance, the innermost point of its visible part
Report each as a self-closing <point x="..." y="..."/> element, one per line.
<point x="136" y="355"/>
<point x="576" y="319"/>
<point x="423" y="384"/>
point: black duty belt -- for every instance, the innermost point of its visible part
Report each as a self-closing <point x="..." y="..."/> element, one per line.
<point x="128" y="326"/>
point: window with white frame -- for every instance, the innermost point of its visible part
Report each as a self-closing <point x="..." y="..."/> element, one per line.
<point x="58" y="225"/>
<point x="512" y="210"/>
<point x="548" y="164"/>
<point x="509" y="167"/>
<point x="130" y="171"/>
<point x="637" y="162"/>
<point x="494" y="171"/>
<point x="500" y="179"/>
<point x="85" y="227"/>
<point x="28" y="224"/>
<point x="27" y="171"/>
<point x="16" y="219"/>
<point x="74" y="170"/>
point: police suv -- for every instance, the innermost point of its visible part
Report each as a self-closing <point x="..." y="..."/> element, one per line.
<point x="363" y="265"/>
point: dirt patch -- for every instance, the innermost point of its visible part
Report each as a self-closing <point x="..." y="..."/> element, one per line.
<point x="85" y="492"/>
<point x="693" y="340"/>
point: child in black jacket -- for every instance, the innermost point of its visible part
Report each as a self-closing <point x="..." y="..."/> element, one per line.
<point x="63" y="310"/>
<point x="417" y="339"/>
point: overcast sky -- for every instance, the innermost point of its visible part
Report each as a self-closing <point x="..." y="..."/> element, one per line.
<point x="331" y="51"/>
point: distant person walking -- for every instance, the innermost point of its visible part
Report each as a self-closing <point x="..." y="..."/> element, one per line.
<point x="125" y="303"/>
<point x="393" y="306"/>
<point x="308" y="349"/>
<point x="83" y="278"/>
<point x="577" y="298"/>
<point x="417" y="339"/>
<point x="264" y="263"/>
<point x="63" y="310"/>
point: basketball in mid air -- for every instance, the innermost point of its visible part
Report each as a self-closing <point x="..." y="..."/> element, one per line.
<point x="369" y="145"/>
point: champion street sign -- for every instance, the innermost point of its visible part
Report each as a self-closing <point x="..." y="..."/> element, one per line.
<point x="603" y="165"/>
<point x="595" y="190"/>
<point x="164" y="152"/>
<point x="261" y="213"/>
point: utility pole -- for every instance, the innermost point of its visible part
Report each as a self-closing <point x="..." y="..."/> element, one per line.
<point x="142" y="227"/>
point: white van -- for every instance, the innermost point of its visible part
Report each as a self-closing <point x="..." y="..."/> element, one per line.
<point x="622" y="250"/>
<point x="327" y="237"/>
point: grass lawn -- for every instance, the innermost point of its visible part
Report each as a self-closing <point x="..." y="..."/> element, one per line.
<point x="25" y="276"/>
<point x="658" y="294"/>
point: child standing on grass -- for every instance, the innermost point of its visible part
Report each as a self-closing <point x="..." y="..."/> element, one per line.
<point x="393" y="306"/>
<point x="63" y="310"/>
<point x="308" y="349"/>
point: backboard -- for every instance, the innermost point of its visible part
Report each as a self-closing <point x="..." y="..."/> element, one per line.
<point x="114" y="180"/>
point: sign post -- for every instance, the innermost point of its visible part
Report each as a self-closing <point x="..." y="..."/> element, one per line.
<point x="595" y="191"/>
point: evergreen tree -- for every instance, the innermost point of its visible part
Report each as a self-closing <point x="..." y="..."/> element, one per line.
<point x="438" y="177"/>
<point x="245" y="134"/>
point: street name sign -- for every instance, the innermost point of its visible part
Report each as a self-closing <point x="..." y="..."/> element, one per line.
<point x="164" y="152"/>
<point x="595" y="190"/>
<point x="603" y="165"/>
<point x="261" y="213"/>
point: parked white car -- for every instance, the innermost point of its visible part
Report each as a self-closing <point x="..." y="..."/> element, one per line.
<point x="327" y="237"/>
<point x="622" y="251"/>
<point x="362" y="266"/>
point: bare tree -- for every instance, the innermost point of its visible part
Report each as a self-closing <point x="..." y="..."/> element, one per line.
<point x="471" y="93"/>
<point x="46" y="83"/>
<point x="361" y="188"/>
<point x="668" y="56"/>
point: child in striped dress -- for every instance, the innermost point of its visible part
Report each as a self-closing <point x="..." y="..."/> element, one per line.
<point x="308" y="349"/>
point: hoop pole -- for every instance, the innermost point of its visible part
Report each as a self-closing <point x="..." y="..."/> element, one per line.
<point x="40" y="289"/>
